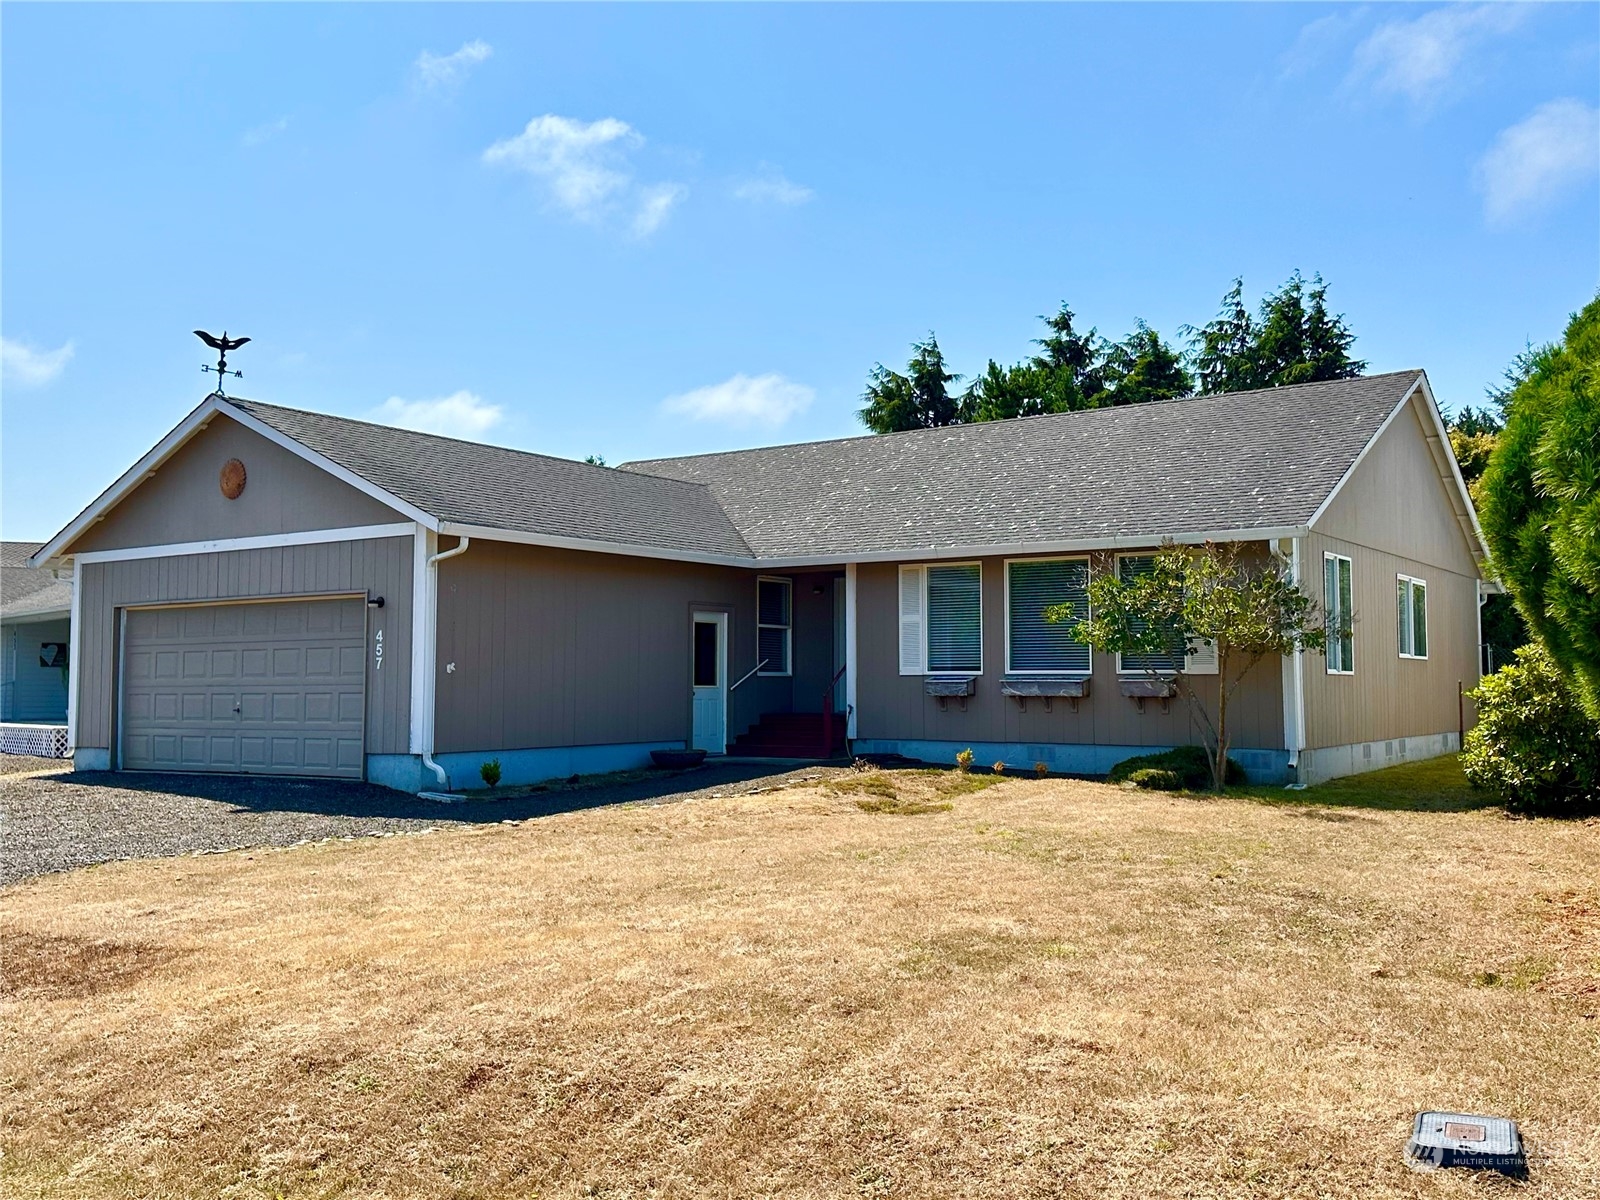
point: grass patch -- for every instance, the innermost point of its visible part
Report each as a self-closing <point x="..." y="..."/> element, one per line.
<point x="902" y="806"/>
<point x="1430" y="785"/>
<point x="1064" y="989"/>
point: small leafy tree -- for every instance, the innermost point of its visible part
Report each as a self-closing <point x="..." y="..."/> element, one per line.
<point x="1247" y="605"/>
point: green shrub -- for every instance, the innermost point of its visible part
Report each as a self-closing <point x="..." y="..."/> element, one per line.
<point x="491" y="772"/>
<point x="1534" y="747"/>
<point x="1187" y="762"/>
<point x="1156" y="779"/>
<point x="964" y="761"/>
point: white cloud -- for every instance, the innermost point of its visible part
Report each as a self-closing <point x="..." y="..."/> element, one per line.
<point x="772" y="187"/>
<point x="1317" y="40"/>
<point x="655" y="203"/>
<point x="585" y="169"/>
<point x="1534" y="162"/>
<point x="460" y="415"/>
<point x="1421" y="59"/>
<point x="22" y="364"/>
<point x="264" y="132"/>
<point x="763" y="400"/>
<point x="446" y="70"/>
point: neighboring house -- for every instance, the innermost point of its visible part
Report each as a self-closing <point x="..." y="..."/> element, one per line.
<point x="271" y="590"/>
<point x="35" y="622"/>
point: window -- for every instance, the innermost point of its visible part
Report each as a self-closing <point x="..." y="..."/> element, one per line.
<point x="941" y="619"/>
<point x="1033" y="644"/>
<point x="1337" y="605"/>
<point x="774" y="632"/>
<point x="1411" y="609"/>
<point x="706" y="659"/>
<point x="1129" y="568"/>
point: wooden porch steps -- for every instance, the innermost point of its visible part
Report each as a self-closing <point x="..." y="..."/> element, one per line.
<point x="789" y="735"/>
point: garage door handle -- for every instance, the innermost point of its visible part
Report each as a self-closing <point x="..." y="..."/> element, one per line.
<point x="235" y="708"/>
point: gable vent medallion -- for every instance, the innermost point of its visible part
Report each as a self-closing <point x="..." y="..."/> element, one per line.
<point x="232" y="478"/>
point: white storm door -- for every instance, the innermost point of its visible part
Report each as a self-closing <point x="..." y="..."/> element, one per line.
<point x="709" y="667"/>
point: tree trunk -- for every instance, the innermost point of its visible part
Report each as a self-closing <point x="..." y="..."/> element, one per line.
<point x="1219" y="764"/>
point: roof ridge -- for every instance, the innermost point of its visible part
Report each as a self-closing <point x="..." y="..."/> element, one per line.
<point x="250" y="406"/>
<point x="636" y="465"/>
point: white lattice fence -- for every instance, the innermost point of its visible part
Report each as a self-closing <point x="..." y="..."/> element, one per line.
<point x="41" y="741"/>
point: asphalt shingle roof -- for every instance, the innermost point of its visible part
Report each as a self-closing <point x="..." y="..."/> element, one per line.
<point x="1242" y="460"/>
<point x="25" y="590"/>
<point x="474" y="484"/>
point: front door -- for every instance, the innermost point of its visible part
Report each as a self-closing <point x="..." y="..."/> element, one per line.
<point x="710" y="671"/>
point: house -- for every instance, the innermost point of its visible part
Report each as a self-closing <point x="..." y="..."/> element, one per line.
<point x="273" y="590"/>
<point x="35" y="612"/>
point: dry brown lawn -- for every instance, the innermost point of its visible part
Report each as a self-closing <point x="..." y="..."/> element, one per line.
<point x="1046" y="988"/>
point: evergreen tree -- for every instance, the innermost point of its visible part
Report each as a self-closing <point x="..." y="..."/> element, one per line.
<point x="1293" y="338"/>
<point x="919" y="399"/>
<point x="1142" y="368"/>
<point x="1541" y="500"/>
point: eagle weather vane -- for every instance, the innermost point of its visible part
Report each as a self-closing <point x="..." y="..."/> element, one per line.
<point x="221" y="345"/>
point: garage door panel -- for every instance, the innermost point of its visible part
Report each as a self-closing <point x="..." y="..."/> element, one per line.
<point x="183" y="708"/>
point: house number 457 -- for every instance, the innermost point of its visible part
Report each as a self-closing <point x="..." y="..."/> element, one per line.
<point x="377" y="650"/>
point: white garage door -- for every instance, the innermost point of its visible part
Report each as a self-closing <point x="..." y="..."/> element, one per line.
<point x="271" y="689"/>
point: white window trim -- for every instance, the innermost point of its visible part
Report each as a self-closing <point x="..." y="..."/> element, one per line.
<point x="1140" y="671"/>
<point x="1088" y="572"/>
<point x="927" y="621"/>
<point x="788" y="630"/>
<point x="1415" y="583"/>
<point x="1326" y="555"/>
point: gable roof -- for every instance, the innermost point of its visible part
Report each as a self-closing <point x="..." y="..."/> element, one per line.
<point x="1242" y="465"/>
<point x="468" y="483"/>
<point x="29" y="591"/>
<point x="1242" y="462"/>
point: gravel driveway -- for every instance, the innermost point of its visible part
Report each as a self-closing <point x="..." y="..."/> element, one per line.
<point x="54" y="820"/>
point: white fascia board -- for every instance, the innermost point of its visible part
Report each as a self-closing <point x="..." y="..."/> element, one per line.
<point x="34" y="617"/>
<point x="1405" y="402"/>
<point x="128" y="480"/>
<point x="1470" y="526"/>
<point x="909" y="554"/>
<point x="304" y="537"/>
<point x="1420" y="390"/>
<point x="174" y="441"/>
<point x="343" y="474"/>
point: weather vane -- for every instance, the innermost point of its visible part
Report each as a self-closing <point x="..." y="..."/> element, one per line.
<point x="221" y="345"/>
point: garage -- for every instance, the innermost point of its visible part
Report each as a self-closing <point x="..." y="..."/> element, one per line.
<point x="272" y="688"/>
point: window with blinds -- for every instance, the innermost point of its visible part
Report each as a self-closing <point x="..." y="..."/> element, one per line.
<point x="1411" y="610"/>
<point x="1170" y="659"/>
<point x="1035" y="644"/>
<point x="1337" y="603"/>
<point x="955" y="619"/>
<point x="774" y="625"/>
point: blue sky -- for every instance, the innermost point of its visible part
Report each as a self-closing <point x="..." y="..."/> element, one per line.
<point x="655" y="230"/>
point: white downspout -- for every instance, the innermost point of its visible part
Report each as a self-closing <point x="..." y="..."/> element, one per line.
<point x="431" y="621"/>
<point x="1296" y="737"/>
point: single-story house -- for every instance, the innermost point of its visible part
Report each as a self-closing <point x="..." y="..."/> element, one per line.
<point x="35" y="633"/>
<point x="280" y="591"/>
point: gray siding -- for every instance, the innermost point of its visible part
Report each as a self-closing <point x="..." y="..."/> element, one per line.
<point x="182" y="502"/>
<point x="568" y="648"/>
<point x="32" y="692"/>
<point x="1394" y="517"/>
<point x="375" y="566"/>
<point x="895" y="707"/>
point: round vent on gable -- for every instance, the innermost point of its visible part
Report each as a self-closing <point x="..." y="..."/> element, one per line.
<point x="232" y="478"/>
